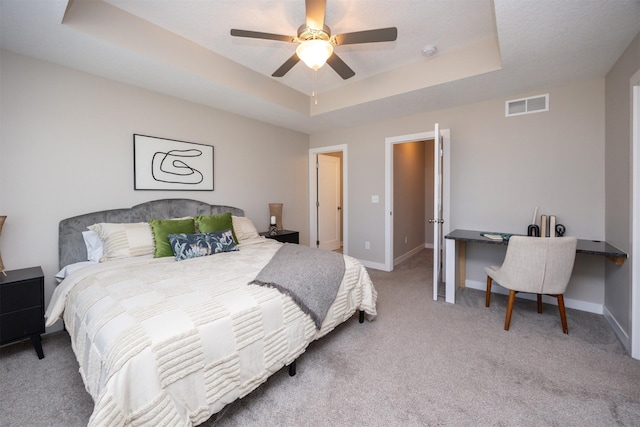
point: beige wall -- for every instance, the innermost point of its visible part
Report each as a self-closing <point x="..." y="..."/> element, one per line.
<point x="501" y="169"/>
<point x="618" y="178"/>
<point x="66" y="148"/>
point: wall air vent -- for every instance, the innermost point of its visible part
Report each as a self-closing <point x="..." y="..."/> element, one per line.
<point x="532" y="104"/>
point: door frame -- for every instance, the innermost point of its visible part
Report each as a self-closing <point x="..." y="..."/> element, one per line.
<point x="313" y="181"/>
<point x="445" y="134"/>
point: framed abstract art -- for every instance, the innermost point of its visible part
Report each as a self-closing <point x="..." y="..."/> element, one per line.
<point x="168" y="164"/>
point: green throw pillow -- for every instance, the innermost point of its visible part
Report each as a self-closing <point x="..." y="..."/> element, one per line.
<point x="161" y="228"/>
<point x="211" y="223"/>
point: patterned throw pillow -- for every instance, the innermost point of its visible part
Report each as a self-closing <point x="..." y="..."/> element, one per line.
<point x="185" y="246"/>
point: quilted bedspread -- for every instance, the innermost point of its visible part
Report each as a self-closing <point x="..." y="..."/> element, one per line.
<point x="161" y="342"/>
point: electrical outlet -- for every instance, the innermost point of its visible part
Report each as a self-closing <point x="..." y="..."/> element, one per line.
<point x="367" y="245"/>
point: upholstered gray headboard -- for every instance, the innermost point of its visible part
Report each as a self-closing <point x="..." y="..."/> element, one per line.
<point x="71" y="247"/>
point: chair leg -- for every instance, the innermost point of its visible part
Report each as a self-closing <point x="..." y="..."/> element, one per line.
<point x="539" y="303"/>
<point x="488" y="296"/>
<point x="563" y="314"/>
<point x="512" y="298"/>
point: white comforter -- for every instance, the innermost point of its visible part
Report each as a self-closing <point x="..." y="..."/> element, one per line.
<point x="161" y="342"/>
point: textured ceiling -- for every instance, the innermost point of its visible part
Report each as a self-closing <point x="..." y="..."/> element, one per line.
<point x="486" y="49"/>
<point x="459" y="24"/>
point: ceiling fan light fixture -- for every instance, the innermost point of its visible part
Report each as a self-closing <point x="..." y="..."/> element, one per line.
<point x="314" y="53"/>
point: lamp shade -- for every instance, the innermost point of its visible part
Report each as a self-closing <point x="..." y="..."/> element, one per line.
<point x="314" y="53"/>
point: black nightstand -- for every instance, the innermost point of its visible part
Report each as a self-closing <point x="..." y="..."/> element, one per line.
<point x="22" y="306"/>
<point x="284" y="236"/>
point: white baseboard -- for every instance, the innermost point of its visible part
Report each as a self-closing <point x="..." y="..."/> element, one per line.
<point x="428" y="245"/>
<point x="589" y="307"/>
<point x="407" y="255"/>
<point x="620" y="333"/>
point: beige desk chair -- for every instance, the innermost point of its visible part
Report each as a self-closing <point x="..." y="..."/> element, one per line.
<point x="535" y="265"/>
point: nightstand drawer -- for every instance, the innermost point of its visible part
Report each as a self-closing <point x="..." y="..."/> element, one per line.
<point x="20" y="324"/>
<point x="21" y="295"/>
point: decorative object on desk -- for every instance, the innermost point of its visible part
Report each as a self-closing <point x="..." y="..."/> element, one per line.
<point x="552" y="226"/>
<point x="533" y="229"/>
<point x="560" y="230"/>
<point x="275" y="210"/>
<point x="544" y="226"/>
<point x="2" y="219"/>
<point x="272" y="226"/>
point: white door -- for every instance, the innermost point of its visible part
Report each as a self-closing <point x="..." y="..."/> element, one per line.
<point x="437" y="219"/>
<point x="329" y="209"/>
<point x="635" y="218"/>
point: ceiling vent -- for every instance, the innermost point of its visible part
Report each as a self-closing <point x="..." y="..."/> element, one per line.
<point x="532" y="104"/>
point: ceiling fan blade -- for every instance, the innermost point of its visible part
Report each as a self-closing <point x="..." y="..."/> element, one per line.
<point x="368" y="36"/>
<point x="259" y="35"/>
<point x="340" y="67"/>
<point x="315" y="13"/>
<point x="284" y="68"/>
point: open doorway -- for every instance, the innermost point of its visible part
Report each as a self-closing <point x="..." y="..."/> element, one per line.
<point x="329" y="201"/>
<point x="442" y="183"/>
<point x="328" y="220"/>
<point x="412" y="198"/>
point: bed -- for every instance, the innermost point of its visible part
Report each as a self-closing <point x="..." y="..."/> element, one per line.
<point x="162" y="341"/>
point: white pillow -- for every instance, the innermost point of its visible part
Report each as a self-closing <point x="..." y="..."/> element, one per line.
<point x="124" y="240"/>
<point x="244" y="228"/>
<point x="68" y="269"/>
<point x="94" y="244"/>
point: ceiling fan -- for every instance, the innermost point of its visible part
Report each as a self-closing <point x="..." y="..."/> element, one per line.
<point x="315" y="42"/>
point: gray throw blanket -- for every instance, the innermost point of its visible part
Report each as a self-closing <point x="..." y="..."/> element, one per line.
<point x="311" y="277"/>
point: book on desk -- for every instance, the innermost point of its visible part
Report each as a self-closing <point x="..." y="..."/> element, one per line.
<point x="497" y="236"/>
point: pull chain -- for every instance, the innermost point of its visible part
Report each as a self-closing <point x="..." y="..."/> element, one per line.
<point x="313" y="91"/>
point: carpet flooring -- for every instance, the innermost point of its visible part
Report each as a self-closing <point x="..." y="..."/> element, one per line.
<point x="419" y="363"/>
